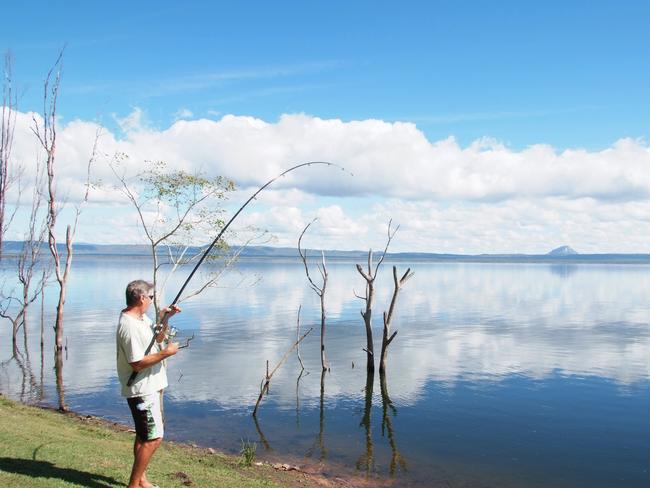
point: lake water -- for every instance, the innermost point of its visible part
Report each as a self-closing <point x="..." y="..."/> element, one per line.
<point x="501" y="375"/>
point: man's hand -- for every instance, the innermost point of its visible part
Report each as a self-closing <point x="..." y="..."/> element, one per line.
<point x="171" y="349"/>
<point x="154" y="358"/>
<point x="167" y="312"/>
<point x="163" y="319"/>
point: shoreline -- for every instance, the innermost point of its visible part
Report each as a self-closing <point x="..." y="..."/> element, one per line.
<point x="286" y="471"/>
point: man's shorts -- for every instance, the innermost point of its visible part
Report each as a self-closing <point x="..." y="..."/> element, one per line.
<point x="147" y="415"/>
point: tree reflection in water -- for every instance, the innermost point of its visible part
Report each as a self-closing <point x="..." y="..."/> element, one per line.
<point x="319" y="443"/>
<point x="305" y="373"/>
<point x="398" y="461"/>
<point x="29" y="387"/>
<point x="263" y="439"/>
<point x="366" y="460"/>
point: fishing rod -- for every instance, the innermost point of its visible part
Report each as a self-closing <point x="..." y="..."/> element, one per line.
<point x="214" y="242"/>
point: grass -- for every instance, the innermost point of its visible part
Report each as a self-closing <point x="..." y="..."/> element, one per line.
<point x="44" y="448"/>
<point x="247" y="452"/>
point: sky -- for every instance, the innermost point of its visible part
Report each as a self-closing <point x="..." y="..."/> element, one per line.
<point x="477" y="127"/>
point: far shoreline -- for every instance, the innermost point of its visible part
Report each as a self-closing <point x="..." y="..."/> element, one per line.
<point x="287" y="254"/>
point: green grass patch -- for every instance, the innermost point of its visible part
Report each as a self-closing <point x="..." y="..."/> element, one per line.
<point x="45" y="448"/>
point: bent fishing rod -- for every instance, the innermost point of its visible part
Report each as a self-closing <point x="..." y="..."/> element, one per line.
<point x="214" y="242"/>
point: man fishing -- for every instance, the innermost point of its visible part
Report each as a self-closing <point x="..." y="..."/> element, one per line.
<point x="135" y="332"/>
<point x="140" y="357"/>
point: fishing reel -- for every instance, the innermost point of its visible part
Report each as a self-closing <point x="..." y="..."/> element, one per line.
<point x="171" y="334"/>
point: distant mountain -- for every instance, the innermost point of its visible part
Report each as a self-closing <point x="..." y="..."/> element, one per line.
<point x="563" y="251"/>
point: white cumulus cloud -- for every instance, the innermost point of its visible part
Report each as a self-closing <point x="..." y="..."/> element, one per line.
<point x="485" y="197"/>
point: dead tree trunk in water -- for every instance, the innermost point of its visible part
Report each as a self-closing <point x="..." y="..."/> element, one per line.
<point x="387" y="337"/>
<point x="319" y="290"/>
<point x="369" y="297"/>
<point x="7" y="125"/>
<point x="46" y="135"/>
<point x="264" y="387"/>
<point x="367" y="314"/>
<point x="42" y="320"/>
<point x="42" y="389"/>
<point x="58" y="370"/>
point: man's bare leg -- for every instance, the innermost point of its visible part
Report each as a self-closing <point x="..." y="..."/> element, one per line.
<point x="144" y="482"/>
<point x="142" y="452"/>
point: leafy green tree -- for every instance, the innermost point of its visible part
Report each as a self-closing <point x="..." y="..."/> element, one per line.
<point x="176" y="210"/>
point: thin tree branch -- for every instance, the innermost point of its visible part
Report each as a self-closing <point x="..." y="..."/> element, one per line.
<point x="303" y="255"/>
<point x="267" y="380"/>
<point x="302" y="366"/>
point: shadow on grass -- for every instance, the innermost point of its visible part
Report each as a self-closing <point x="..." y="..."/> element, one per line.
<point x="45" y="469"/>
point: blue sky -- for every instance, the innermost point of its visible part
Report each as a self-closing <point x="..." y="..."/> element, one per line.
<point x="564" y="73"/>
<point x="572" y="76"/>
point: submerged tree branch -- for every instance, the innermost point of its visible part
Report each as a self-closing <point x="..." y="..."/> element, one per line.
<point x="265" y="382"/>
<point x="387" y="338"/>
<point x="319" y="290"/>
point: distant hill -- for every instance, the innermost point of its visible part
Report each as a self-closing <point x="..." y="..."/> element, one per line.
<point x="13" y="247"/>
<point x="562" y="255"/>
<point x="563" y="251"/>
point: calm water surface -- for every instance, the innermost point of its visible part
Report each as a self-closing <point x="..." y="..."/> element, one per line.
<point x="501" y="375"/>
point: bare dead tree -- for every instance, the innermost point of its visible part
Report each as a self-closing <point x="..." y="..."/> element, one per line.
<point x="14" y="306"/>
<point x="7" y="125"/>
<point x="264" y="387"/>
<point x="46" y="133"/>
<point x="370" y="275"/>
<point x="387" y="337"/>
<point x="319" y="290"/>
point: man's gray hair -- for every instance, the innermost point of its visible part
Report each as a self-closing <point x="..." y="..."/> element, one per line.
<point x="135" y="290"/>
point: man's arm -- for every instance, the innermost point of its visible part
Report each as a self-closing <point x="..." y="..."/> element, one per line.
<point x="155" y="357"/>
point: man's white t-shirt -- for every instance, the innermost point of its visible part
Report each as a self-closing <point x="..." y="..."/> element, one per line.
<point x="132" y="339"/>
